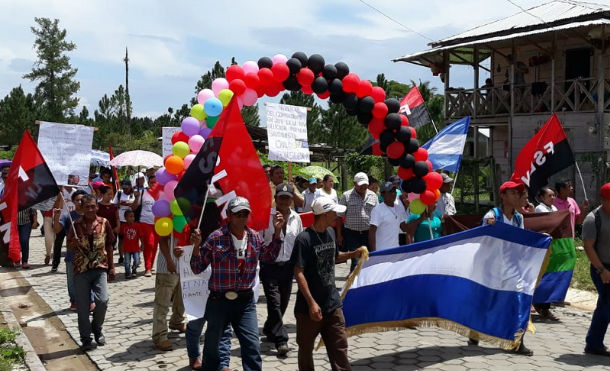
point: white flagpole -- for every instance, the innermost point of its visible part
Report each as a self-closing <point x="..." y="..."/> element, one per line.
<point x="455" y="180"/>
<point x="582" y="182"/>
<point x="205" y="201"/>
<point x="430" y="228"/>
<point x="433" y="124"/>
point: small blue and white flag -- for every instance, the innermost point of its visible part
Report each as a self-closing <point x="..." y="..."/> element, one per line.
<point x="446" y="148"/>
<point x="479" y="283"/>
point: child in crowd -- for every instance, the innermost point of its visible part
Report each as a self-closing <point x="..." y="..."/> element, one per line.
<point x="130" y="244"/>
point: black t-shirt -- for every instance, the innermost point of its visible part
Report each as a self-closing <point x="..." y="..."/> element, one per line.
<point x="315" y="253"/>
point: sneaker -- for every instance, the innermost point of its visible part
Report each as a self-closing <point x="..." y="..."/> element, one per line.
<point x="100" y="339"/>
<point x="473" y="342"/>
<point x="181" y="327"/>
<point x="282" y="349"/>
<point x="47" y="259"/>
<point x="72" y="307"/>
<point x="164" y="345"/>
<point x="54" y="269"/>
<point x="134" y="274"/>
<point x="25" y="266"/>
<point x="147" y="274"/>
<point x="88" y="346"/>
<point x="121" y="260"/>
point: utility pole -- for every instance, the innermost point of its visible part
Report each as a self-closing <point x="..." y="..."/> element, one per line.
<point x="127" y="99"/>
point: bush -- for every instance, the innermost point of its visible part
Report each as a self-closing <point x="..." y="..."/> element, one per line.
<point x="10" y="353"/>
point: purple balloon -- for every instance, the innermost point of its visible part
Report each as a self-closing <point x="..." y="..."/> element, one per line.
<point x="161" y="208"/>
<point x="163" y="176"/>
<point x="205" y="132"/>
<point x="190" y="126"/>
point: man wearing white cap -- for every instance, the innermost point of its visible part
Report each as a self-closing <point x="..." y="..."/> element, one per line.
<point x="359" y="202"/>
<point x="318" y="308"/>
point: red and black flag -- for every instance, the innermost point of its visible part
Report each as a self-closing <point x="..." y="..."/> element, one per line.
<point x="29" y="182"/>
<point x="115" y="174"/>
<point x="547" y="153"/>
<point x="414" y="107"/>
<point x="227" y="163"/>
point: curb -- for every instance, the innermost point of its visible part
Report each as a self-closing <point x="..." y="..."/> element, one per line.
<point x="32" y="361"/>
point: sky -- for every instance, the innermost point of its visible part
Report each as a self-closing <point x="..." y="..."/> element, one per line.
<point x="171" y="44"/>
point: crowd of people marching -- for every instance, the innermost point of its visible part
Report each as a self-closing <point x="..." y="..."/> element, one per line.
<point x="372" y="215"/>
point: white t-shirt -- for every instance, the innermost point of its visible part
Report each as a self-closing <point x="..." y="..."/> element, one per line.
<point x="387" y="220"/>
<point x="147" y="215"/>
<point x="124" y="198"/>
<point x="240" y="246"/>
<point x="294" y="226"/>
<point x="491" y="215"/>
<point x="332" y="195"/>
<point x="308" y="198"/>
<point x="542" y="208"/>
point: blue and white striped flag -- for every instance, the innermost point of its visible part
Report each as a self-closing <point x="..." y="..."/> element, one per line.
<point x="479" y="283"/>
<point x="446" y="148"/>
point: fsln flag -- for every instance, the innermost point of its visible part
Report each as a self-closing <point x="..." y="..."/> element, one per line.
<point x="414" y="107"/>
<point x="479" y="283"/>
<point x="547" y="153"/>
<point x="29" y="182"/>
<point x="227" y="163"/>
<point x="446" y="148"/>
<point x="115" y="174"/>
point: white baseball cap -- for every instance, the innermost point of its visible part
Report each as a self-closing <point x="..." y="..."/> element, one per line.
<point x="322" y="205"/>
<point x="360" y="179"/>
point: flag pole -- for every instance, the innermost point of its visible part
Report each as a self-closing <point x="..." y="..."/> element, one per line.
<point x="434" y="125"/>
<point x="455" y="180"/>
<point x="205" y="202"/>
<point x="582" y="182"/>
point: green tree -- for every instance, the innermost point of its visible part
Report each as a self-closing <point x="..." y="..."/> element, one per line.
<point x="342" y="130"/>
<point x="17" y="113"/>
<point x="56" y="89"/>
<point x="315" y="132"/>
<point x="112" y="117"/>
<point x="393" y="89"/>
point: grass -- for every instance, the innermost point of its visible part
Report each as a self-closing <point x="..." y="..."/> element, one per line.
<point x="582" y="277"/>
<point x="10" y="353"/>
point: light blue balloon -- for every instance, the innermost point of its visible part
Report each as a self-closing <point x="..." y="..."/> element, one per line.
<point x="213" y="106"/>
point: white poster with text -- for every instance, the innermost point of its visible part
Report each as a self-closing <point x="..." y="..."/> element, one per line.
<point x="287" y="133"/>
<point x="166" y="139"/>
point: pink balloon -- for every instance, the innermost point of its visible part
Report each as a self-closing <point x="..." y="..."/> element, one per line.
<point x="195" y="143"/>
<point x="163" y="196"/>
<point x="250" y="67"/>
<point x="279" y="58"/>
<point x="204" y="94"/>
<point x="240" y="102"/>
<point x="169" y="189"/>
<point x="219" y="84"/>
<point x="412" y="196"/>
<point x="189" y="158"/>
<point x="249" y="97"/>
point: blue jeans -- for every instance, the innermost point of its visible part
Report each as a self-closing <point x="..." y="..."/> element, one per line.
<point x="193" y="348"/>
<point x="601" y="315"/>
<point x="241" y="314"/>
<point x="91" y="280"/>
<point x="25" y="231"/>
<point x="70" y="283"/>
<point x="129" y="256"/>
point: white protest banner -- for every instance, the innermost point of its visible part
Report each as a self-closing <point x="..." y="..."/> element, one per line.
<point x="67" y="150"/>
<point x="166" y="139"/>
<point x="287" y="133"/>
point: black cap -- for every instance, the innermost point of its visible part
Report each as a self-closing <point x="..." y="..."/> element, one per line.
<point x="388" y="187"/>
<point x="284" y="189"/>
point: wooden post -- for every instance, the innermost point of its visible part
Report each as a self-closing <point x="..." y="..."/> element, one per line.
<point x="600" y="78"/>
<point x="475" y="99"/>
<point x="446" y="67"/>
<point x="290" y="171"/>
<point x="512" y="105"/>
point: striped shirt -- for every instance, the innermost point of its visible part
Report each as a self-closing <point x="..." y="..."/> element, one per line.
<point x="358" y="213"/>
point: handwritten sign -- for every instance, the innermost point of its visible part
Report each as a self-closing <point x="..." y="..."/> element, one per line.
<point x="67" y="150"/>
<point x="166" y="139"/>
<point x="287" y="133"/>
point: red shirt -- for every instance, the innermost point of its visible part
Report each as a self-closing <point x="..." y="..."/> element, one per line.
<point x="131" y="237"/>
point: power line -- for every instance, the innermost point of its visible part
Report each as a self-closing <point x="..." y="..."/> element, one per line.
<point x="526" y="11"/>
<point x="395" y="21"/>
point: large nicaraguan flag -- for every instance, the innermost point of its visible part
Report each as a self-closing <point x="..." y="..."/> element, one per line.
<point x="414" y="107"/>
<point x="446" y="148"/>
<point x="479" y="283"/>
<point x="547" y="153"/>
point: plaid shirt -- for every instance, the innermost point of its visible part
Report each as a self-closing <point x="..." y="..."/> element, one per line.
<point x="358" y="213"/>
<point x="219" y="251"/>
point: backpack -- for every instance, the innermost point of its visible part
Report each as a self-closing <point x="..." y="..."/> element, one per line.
<point x="498" y="216"/>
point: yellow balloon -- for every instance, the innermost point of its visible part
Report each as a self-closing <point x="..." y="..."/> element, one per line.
<point x="198" y="112"/>
<point x="225" y="96"/>
<point x="181" y="149"/>
<point x="164" y="226"/>
<point x="417" y="207"/>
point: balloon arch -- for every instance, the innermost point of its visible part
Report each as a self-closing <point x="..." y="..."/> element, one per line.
<point x="311" y="75"/>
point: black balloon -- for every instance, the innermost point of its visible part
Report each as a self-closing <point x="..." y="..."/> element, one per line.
<point x="394" y="161"/>
<point x="412" y="146"/>
<point x="404" y="134"/>
<point x="350" y="101"/>
<point x="265" y="62"/>
<point x="294" y="65"/>
<point x="364" y="118"/>
<point x="418" y="185"/>
<point x="366" y="104"/>
<point x="420" y="168"/>
<point x="337" y="97"/>
<point x="407" y="161"/>
<point x="329" y="72"/>
<point x="406" y="186"/>
<point x="393" y="105"/>
<point x="319" y="85"/>
<point x="316" y="63"/>
<point x="291" y="83"/>
<point x="342" y="70"/>
<point x="351" y="111"/>
<point x="335" y="86"/>
<point x="392" y="121"/>
<point x="302" y="57"/>
<point x="385" y="139"/>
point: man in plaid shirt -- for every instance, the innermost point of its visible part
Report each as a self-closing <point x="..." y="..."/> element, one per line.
<point x="234" y="251"/>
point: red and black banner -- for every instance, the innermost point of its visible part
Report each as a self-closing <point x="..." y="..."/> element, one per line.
<point x="414" y="107"/>
<point x="29" y="182"/>
<point x="227" y="163"/>
<point x="547" y="153"/>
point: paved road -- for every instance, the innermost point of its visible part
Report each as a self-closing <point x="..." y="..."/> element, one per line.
<point x="128" y="329"/>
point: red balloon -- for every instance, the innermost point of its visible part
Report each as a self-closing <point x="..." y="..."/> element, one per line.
<point x="395" y="150"/>
<point x="378" y="94"/>
<point x="428" y="197"/>
<point x="274" y="89"/>
<point x="234" y="72"/>
<point x="351" y="83"/>
<point x="364" y="88"/>
<point x="237" y="86"/>
<point x="380" y="110"/>
<point x="252" y="80"/>
<point x="430" y="168"/>
<point x="167" y="156"/>
<point x="260" y="90"/>
<point x="305" y="76"/>
<point x="404" y="173"/>
<point x="376" y="149"/>
<point x="421" y="154"/>
<point x="179" y="136"/>
<point x="280" y="72"/>
<point x="433" y="180"/>
<point x="265" y="75"/>
<point x="376" y="126"/>
<point x="413" y="132"/>
<point x="324" y="95"/>
<point x="306" y="89"/>
<point x="405" y="120"/>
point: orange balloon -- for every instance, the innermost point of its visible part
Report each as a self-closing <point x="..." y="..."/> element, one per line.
<point x="438" y="194"/>
<point x="174" y="164"/>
